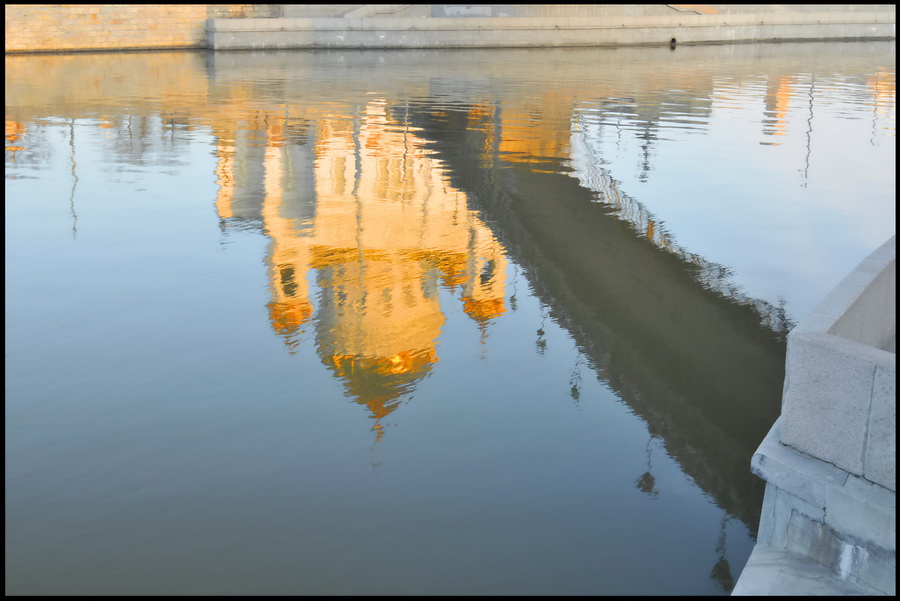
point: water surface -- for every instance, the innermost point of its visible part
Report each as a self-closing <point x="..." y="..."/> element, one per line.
<point x="417" y="322"/>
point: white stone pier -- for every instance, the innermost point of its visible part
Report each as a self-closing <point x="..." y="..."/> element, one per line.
<point x="828" y="524"/>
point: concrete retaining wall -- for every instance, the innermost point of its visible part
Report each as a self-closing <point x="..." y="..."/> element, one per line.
<point x="684" y="27"/>
<point x="88" y="27"/>
<point x="828" y="522"/>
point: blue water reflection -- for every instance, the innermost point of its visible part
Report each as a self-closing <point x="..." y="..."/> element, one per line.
<point x="469" y="322"/>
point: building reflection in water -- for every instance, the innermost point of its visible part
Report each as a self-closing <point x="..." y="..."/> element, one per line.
<point x="778" y="100"/>
<point x="882" y="86"/>
<point x="370" y="202"/>
<point x="359" y="206"/>
<point x="15" y="132"/>
<point x="375" y="209"/>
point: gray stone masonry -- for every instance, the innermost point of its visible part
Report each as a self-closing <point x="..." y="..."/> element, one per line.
<point x="828" y="524"/>
<point x="839" y="400"/>
<point x="449" y="26"/>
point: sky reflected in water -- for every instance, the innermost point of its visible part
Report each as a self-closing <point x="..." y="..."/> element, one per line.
<point x="417" y="322"/>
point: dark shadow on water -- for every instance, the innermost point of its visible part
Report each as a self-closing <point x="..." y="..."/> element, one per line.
<point x="701" y="368"/>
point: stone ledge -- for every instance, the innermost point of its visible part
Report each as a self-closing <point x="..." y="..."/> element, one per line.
<point x="772" y="571"/>
<point x="505" y="23"/>
<point x="790" y="470"/>
<point x="853" y="507"/>
<point x="531" y="38"/>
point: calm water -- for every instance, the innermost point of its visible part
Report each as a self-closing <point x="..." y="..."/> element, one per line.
<point x="417" y="322"/>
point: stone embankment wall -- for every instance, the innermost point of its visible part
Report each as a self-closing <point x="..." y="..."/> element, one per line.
<point x="828" y="524"/>
<point x="484" y="26"/>
<point x="74" y="27"/>
<point x="86" y="27"/>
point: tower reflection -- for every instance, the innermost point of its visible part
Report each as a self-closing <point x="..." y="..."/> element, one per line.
<point x="365" y="230"/>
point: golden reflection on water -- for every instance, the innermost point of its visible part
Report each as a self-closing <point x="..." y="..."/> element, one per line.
<point x="372" y="251"/>
<point x="538" y="130"/>
<point x="352" y="199"/>
<point x="883" y="87"/>
<point x="778" y="99"/>
<point x="362" y="207"/>
<point x="15" y="132"/>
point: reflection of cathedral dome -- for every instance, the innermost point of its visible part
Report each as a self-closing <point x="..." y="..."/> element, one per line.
<point x="380" y="382"/>
<point x="287" y="316"/>
<point x="376" y="381"/>
<point x="482" y="310"/>
<point x="367" y="213"/>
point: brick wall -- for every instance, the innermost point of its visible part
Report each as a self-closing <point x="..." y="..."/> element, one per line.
<point x="67" y="27"/>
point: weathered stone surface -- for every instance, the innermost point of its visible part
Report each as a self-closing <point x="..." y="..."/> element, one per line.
<point x="881" y="451"/>
<point x="825" y="411"/>
<point x="777" y="572"/>
<point x="828" y="523"/>
<point x="863" y="511"/>
<point x="60" y="27"/>
<point x="800" y="475"/>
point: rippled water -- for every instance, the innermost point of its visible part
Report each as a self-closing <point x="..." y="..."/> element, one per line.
<point x="417" y="322"/>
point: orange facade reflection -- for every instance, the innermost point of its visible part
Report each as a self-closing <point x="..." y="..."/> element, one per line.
<point x="15" y="132"/>
<point x="778" y="101"/>
<point x="365" y="229"/>
<point x="359" y="211"/>
<point x="883" y="88"/>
